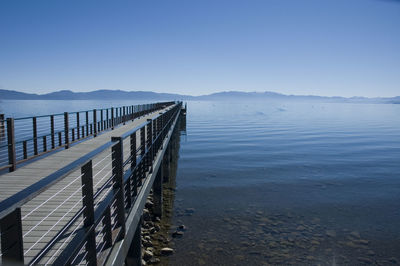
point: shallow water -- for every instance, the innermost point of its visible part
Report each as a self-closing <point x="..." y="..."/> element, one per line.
<point x="289" y="183"/>
<point x="277" y="182"/>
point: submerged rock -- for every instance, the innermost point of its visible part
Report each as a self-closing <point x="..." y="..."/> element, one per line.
<point x="148" y="255"/>
<point x="189" y="211"/>
<point x="177" y="234"/>
<point x="167" y="251"/>
<point x="365" y="260"/>
<point x="330" y="233"/>
<point x="182" y="227"/>
<point x="355" y="234"/>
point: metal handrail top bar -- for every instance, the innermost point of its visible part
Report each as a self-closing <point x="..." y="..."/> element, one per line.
<point x="56" y="114"/>
<point x="25" y="195"/>
<point x="133" y="130"/>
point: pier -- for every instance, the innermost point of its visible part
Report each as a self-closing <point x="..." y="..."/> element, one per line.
<point x="75" y="194"/>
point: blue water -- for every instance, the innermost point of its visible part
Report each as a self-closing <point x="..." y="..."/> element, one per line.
<point x="275" y="182"/>
<point x="333" y="168"/>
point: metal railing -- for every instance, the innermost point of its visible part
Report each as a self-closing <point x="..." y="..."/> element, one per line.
<point x="25" y="138"/>
<point x="95" y="202"/>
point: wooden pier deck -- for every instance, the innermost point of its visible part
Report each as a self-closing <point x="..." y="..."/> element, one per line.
<point x="44" y="214"/>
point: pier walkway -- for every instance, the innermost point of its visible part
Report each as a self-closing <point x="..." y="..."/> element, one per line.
<point x="83" y="204"/>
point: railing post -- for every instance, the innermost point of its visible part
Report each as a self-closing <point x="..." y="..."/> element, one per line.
<point x="12" y="247"/>
<point x="66" y="130"/>
<point x="107" y="120"/>
<point x="124" y="115"/>
<point x="73" y="134"/>
<point x="133" y="164"/>
<point x="34" y="129"/>
<point x="87" y="123"/>
<point x="118" y="187"/>
<point x="59" y="138"/>
<point x="44" y="144"/>
<point x="88" y="212"/>
<point x="77" y="126"/>
<point x="149" y="160"/>
<point x="94" y="122"/>
<point x="112" y="117"/>
<point x="2" y="125"/>
<point x="25" y="149"/>
<point x="107" y="228"/>
<point x="102" y="122"/>
<point x="11" y="144"/>
<point x="53" y="143"/>
<point x="142" y="153"/>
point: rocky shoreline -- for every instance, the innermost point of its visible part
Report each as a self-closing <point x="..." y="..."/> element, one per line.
<point x="156" y="236"/>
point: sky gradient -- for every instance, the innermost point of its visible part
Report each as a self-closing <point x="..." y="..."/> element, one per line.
<point x="328" y="48"/>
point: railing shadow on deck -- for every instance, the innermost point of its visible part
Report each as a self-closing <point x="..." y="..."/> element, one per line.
<point x="84" y="234"/>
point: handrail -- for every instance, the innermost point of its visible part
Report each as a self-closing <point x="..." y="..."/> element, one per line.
<point x="29" y="137"/>
<point x="154" y="131"/>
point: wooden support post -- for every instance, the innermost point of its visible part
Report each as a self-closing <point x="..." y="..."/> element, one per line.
<point x="35" y="142"/>
<point x="157" y="194"/>
<point x="118" y="187"/>
<point x="66" y="130"/>
<point x="12" y="248"/>
<point x="165" y="167"/>
<point x="134" y="256"/>
<point x="12" y="160"/>
<point x="88" y="212"/>
<point x="53" y="143"/>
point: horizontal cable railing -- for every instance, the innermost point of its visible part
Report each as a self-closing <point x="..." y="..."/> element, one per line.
<point x="82" y="211"/>
<point x="25" y="138"/>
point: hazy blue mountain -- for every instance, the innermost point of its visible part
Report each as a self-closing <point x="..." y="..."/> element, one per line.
<point x="16" y="95"/>
<point x="93" y="95"/>
<point x="147" y="95"/>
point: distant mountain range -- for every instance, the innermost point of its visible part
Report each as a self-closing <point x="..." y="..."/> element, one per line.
<point x="146" y="95"/>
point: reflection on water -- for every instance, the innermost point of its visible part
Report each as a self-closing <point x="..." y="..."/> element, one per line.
<point x="289" y="183"/>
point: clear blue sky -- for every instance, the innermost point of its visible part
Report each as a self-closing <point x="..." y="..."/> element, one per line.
<point x="320" y="47"/>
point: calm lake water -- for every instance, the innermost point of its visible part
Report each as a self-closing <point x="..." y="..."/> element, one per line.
<point x="274" y="182"/>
